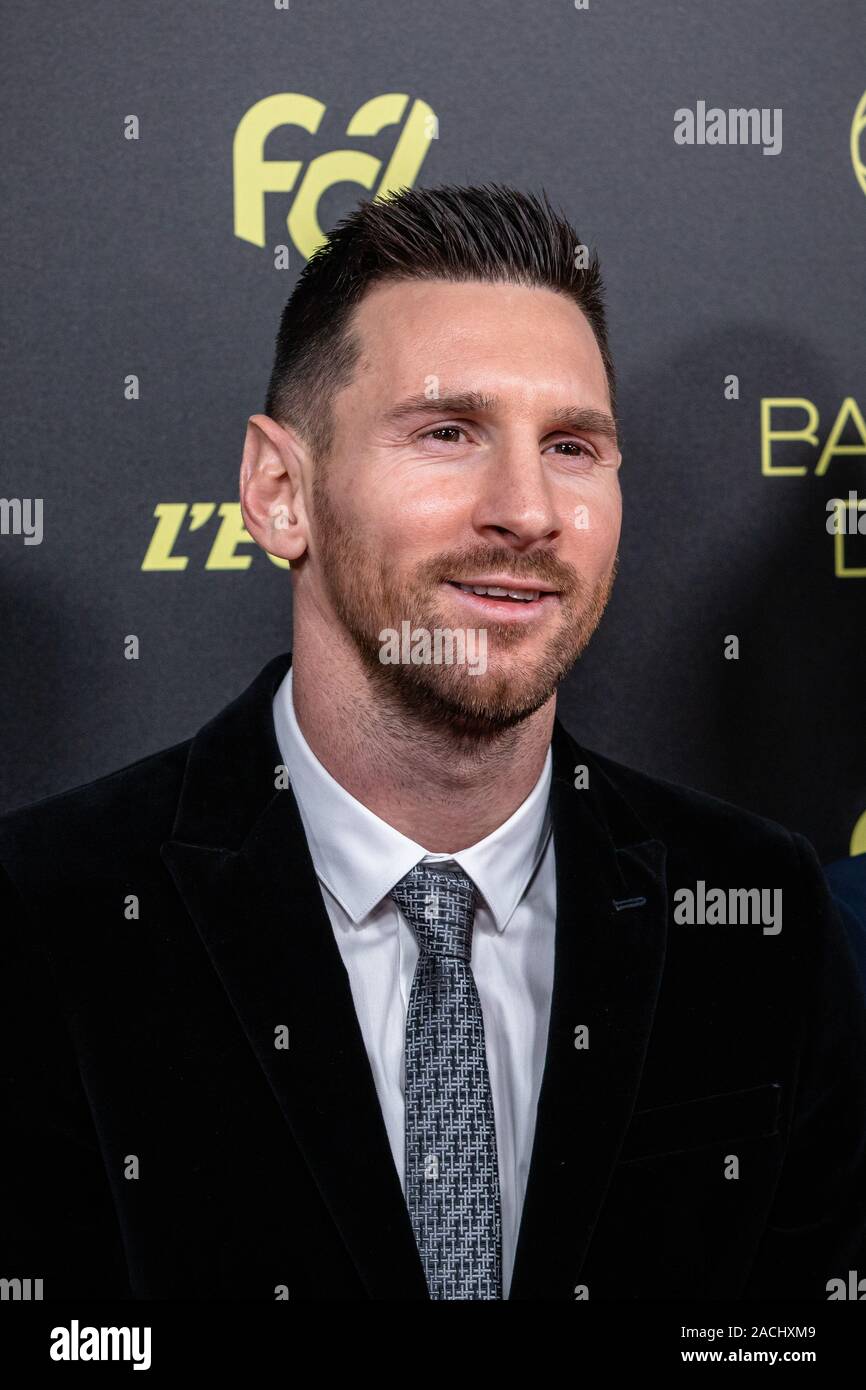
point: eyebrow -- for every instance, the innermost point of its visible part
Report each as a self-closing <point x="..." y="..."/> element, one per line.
<point x="580" y="419"/>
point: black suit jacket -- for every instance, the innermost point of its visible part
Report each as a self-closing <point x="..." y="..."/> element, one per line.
<point x="159" y="1144"/>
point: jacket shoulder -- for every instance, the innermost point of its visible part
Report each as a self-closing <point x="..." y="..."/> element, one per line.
<point x="681" y="815"/>
<point x="75" y="834"/>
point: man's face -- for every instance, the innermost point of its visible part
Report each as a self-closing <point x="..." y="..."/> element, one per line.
<point x="474" y="447"/>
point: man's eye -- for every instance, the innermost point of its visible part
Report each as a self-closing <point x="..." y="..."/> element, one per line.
<point x="575" y="445"/>
<point x="443" y="429"/>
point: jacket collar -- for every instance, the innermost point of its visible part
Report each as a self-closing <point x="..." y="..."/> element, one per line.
<point x="240" y="861"/>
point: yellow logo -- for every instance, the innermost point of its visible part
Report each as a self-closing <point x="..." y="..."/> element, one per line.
<point x="254" y="176"/>
<point x="848" y="418"/>
<point x="223" y="553"/>
<point x="858" y="125"/>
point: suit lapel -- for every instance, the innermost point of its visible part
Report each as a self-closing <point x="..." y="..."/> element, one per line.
<point x="239" y="859"/>
<point x="609" y="954"/>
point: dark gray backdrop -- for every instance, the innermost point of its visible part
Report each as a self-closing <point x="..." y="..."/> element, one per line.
<point x="120" y="257"/>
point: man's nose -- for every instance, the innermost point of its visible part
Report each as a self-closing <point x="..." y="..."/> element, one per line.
<point x="516" y="497"/>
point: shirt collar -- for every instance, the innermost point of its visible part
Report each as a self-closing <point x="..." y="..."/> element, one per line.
<point x="359" y="857"/>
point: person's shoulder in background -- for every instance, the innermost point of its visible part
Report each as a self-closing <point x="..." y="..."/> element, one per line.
<point x="847" y="880"/>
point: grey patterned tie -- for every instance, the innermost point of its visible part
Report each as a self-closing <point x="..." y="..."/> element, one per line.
<point x="452" y="1178"/>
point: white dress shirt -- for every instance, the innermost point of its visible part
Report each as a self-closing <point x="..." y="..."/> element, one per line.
<point x="358" y="858"/>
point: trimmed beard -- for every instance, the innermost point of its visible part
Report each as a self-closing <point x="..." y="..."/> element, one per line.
<point x="447" y="698"/>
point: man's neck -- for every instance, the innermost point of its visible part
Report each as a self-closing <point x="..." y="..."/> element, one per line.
<point x="442" y="791"/>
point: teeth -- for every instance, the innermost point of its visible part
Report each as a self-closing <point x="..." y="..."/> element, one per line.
<point x="523" y="595"/>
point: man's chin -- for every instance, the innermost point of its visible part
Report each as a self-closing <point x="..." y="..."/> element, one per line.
<point x="470" y="706"/>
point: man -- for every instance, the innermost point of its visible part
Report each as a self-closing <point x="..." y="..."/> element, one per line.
<point x="381" y="986"/>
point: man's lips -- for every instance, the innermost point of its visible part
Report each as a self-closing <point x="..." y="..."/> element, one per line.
<point x="503" y="599"/>
<point x="505" y="584"/>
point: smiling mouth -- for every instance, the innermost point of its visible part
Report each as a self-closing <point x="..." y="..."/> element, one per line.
<point x="502" y="593"/>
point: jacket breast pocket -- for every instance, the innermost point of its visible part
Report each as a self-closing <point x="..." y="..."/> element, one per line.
<point x="692" y="1124"/>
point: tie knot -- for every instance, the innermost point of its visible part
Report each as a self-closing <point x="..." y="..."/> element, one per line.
<point x="438" y="902"/>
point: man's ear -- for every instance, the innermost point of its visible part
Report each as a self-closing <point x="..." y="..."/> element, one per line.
<point x="273" y="488"/>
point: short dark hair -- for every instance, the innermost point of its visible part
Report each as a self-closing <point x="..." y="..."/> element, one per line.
<point x="489" y="233"/>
